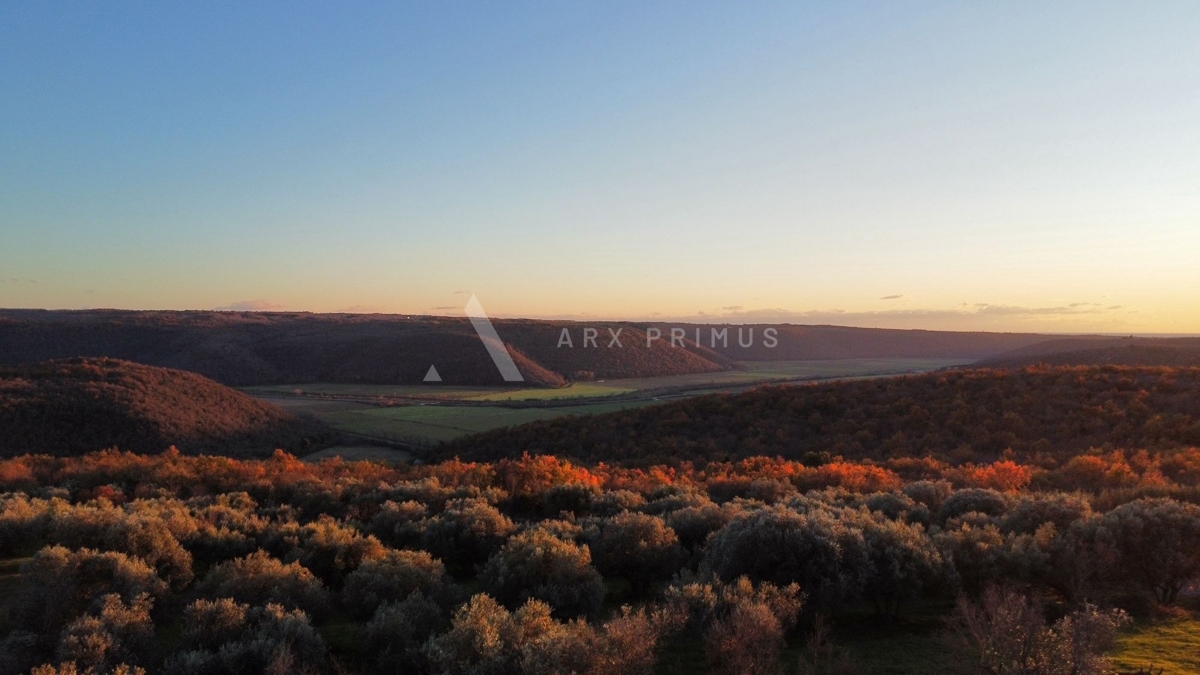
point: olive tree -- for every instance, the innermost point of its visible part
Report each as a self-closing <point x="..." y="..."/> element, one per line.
<point x="639" y="547"/>
<point x="60" y="584"/>
<point x="260" y="579"/>
<point x="466" y="533"/>
<point x="1158" y="541"/>
<point x="827" y="556"/>
<point x="246" y="641"/>
<point x="116" y="633"/>
<point x="537" y="565"/>
<point x="391" y="578"/>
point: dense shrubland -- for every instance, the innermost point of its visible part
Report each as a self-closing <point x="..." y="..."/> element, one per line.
<point x="197" y="565"/>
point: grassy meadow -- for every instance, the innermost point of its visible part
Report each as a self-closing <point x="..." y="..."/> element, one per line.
<point x="427" y="424"/>
<point x="1173" y="646"/>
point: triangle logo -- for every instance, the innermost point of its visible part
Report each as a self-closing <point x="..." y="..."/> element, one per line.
<point x="432" y="375"/>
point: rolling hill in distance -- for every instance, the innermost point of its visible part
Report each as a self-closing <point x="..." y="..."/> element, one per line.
<point x="1130" y="351"/>
<point x="262" y="348"/>
<point x="80" y="405"/>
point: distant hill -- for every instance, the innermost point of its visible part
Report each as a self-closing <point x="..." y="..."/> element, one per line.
<point x="74" y="406"/>
<point x="254" y="348"/>
<point x="1041" y="413"/>
<point x="1104" y="351"/>
<point x="247" y="348"/>
<point x="802" y="343"/>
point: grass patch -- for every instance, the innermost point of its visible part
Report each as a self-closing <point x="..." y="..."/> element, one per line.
<point x="574" y="390"/>
<point x="428" y="424"/>
<point x="681" y="655"/>
<point x="900" y="654"/>
<point x="910" y="644"/>
<point x="1173" y="646"/>
<point x="10" y="590"/>
<point x="345" y="638"/>
<point x="10" y="577"/>
<point x="435" y="391"/>
<point x="360" y="453"/>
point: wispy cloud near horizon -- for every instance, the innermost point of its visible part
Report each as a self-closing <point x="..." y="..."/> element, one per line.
<point x="251" y="306"/>
<point x="1072" y="317"/>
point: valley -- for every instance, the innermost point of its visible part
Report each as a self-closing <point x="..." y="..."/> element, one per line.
<point x="420" y="416"/>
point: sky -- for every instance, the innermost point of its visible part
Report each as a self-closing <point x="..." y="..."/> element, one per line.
<point x="1015" y="166"/>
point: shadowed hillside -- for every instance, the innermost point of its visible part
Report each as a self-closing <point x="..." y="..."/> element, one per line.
<point x="635" y="357"/>
<point x="1041" y="413"/>
<point x="245" y="348"/>
<point x="75" y="406"/>
<point x="803" y="343"/>
<point x="259" y="348"/>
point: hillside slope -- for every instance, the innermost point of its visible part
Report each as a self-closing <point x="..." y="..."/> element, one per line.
<point x="260" y="348"/>
<point x="1041" y="413"/>
<point x="248" y="348"/>
<point x="75" y="406"/>
<point x="802" y="343"/>
<point x="1114" y="351"/>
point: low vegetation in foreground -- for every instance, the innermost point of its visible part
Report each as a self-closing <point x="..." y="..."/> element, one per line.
<point x="119" y="563"/>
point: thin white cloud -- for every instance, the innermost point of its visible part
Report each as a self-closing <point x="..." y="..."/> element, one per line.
<point x="250" y="306"/>
<point x="966" y="316"/>
<point x="891" y="297"/>
<point x="1010" y="310"/>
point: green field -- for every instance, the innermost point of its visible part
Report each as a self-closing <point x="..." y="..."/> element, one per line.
<point x="1173" y="646"/>
<point x="573" y="390"/>
<point x="428" y="424"/>
<point x="423" y="415"/>
<point x="317" y="389"/>
<point x="750" y="372"/>
<point x="360" y="453"/>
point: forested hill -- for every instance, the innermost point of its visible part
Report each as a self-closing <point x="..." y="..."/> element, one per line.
<point x="1098" y="352"/>
<point x="249" y="348"/>
<point x="802" y="343"/>
<point x="74" y="406"/>
<point x="1041" y="413"/>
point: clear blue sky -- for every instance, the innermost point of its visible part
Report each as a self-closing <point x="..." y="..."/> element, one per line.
<point x="1013" y="165"/>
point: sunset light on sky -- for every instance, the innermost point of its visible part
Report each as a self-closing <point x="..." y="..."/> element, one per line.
<point x="975" y="166"/>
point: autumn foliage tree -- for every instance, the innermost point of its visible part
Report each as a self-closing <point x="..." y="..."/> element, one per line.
<point x="536" y="565"/>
